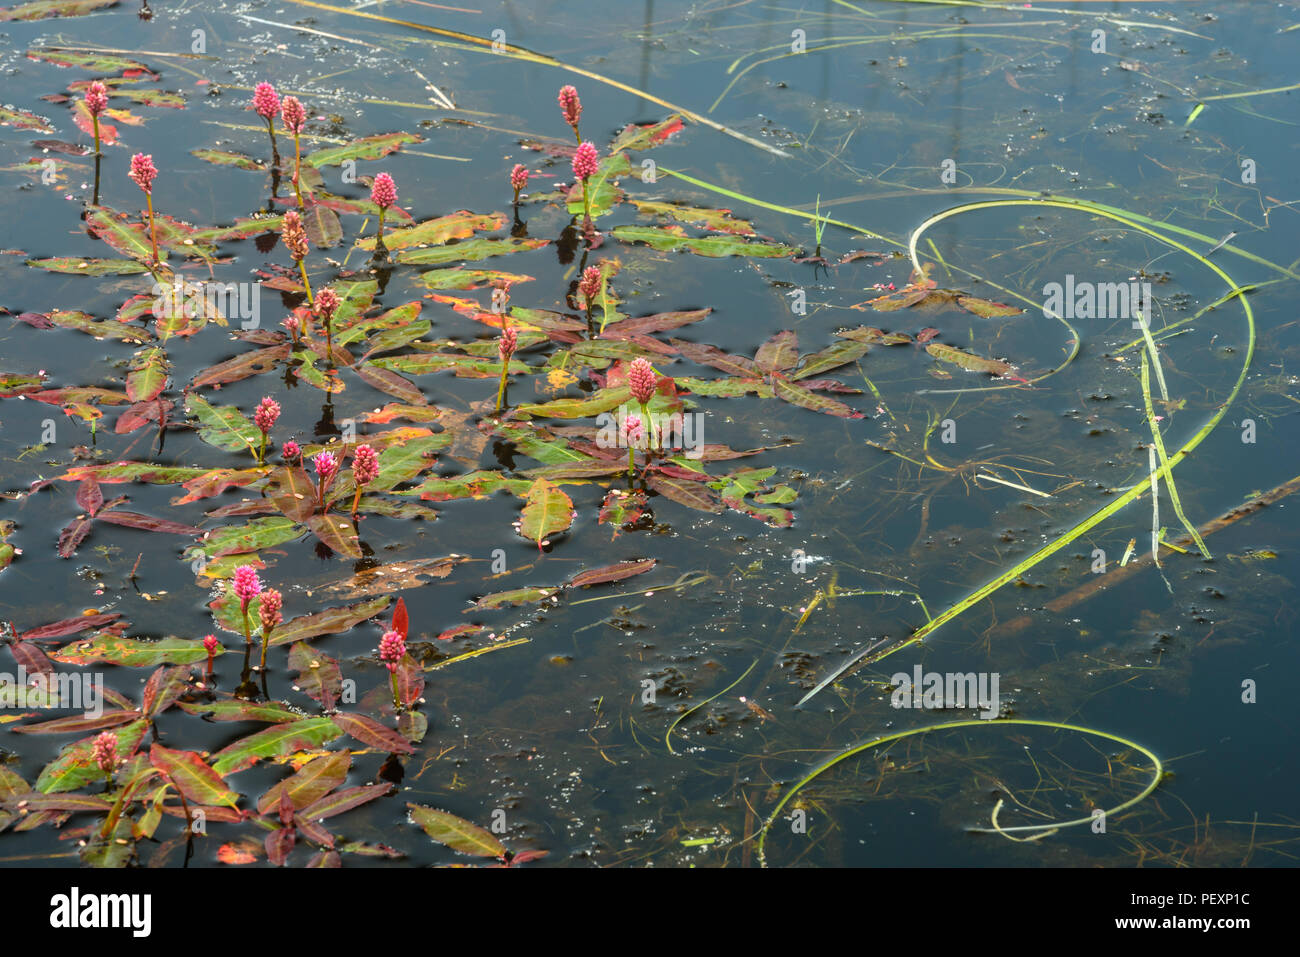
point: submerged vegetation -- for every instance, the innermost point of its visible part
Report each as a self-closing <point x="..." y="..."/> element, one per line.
<point x="904" y="442"/>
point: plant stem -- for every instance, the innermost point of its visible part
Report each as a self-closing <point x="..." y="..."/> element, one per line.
<point x="631" y="460"/>
<point x="297" y="169"/>
<point x="397" y="700"/>
<point x="95" y="117"/>
<point x="261" y="452"/>
<point x="153" y="233"/>
<point x="275" y="152"/>
<point x="586" y="204"/>
<point x="501" y="388"/>
<point x="248" y="635"/>
<point x="266" y="639"/>
<point x="302" y="268"/>
<point x="356" y="502"/>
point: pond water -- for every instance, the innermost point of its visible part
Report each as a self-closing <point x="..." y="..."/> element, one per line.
<point x="888" y="248"/>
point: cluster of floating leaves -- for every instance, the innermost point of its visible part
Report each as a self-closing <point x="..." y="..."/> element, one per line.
<point x="586" y="353"/>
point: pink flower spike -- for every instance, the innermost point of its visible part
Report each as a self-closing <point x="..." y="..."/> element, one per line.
<point x="641" y="379"/>
<point x="294" y="235"/>
<point x="143" y="171"/>
<point x="589" y="286"/>
<point x="266" y="101"/>
<point x="327" y="300"/>
<point x="269" y="610"/>
<point x="246" y="585"/>
<point x="291" y="451"/>
<point x="96" y="98"/>
<point x="392" y="648"/>
<point x="585" y="161"/>
<point x="519" y="177"/>
<point x="292" y="324"/>
<point x="211" y="644"/>
<point x="633" y="430"/>
<point x="104" y="751"/>
<point x="365" y="465"/>
<point x="383" y="193"/>
<point x="293" y="114"/>
<point x="326" y="466"/>
<point x="570" y="105"/>
<point x="507" y="344"/>
<point x="268" y="410"/>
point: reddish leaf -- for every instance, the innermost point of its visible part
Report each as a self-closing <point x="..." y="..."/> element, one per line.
<point x="242" y="366"/>
<point x="90" y="497"/>
<point x="316" y="779"/>
<point x="73" y="535"/>
<point x="163" y="688"/>
<point x="148" y="523"/>
<point x="345" y="800"/>
<point x="401" y="620"/>
<point x="69" y="626"/>
<point x="278" y="845"/>
<point x="194" y="777"/>
<point x="78" y="723"/>
<point x="612" y="573"/>
<point x="371" y="732"/>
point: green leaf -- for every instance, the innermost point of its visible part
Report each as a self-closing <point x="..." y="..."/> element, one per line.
<point x="675" y="239"/>
<point x="148" y="374"/>
<point x="461" y="278"/>
<point x="471" y="251"/>
<point x="110" y="648"/>
<point x="331" y="621"/>
<point x="337" y="532"/>
<point x="476" y="484"/>
<point x="831" y="357"/>
<point x="100" y="329"/>
<point x="457" y="833"/>
<point x="251" y="537"/>
<point x="602" y="400"/>
<point x="22" y="120"/>
<point x="435" y="232"/>
<point x="986" y="308"/>
<point x="366" y="148"/>
<point x="228" y="158"/>
<point x="78" y="266"/>
<point x="798" y="395"/>
<point x="370" y="732"/>
<point x="223" y="426"/>
<point x="547" y="511"/>
<point x="779" y="353"/>
<point x="718" y="220"/>
<point x="967" y="361"/>
<point x="192" y="777"/>
<point x="75" y="766"/>
<point x="278" y="740"/>
<point x="311" y="783"/>
<point x="323" y="226"/>
<point x="235" y="710"/>
<point x="514" y="596"/>
<point x="318" y="674"/>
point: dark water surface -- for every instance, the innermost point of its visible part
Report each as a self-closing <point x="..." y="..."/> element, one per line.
<point x="617" y="729"/>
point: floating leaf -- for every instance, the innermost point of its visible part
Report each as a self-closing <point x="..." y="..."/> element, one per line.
<point x="79" y="723"/>
<point x="251" y="537"/>
<point x="802" y="397"/>
<point x="719" y="220"/>
<point x="779" y="353"/>
<point x="75" y="766"/>
<point x="831" y="357"/>
<point x="109" y="648"/>
<point x="345" y="800"/>
<point x="242" y="366"/>
<point x="148" y="523"/>
<point x="323" y="226"/>
<point x="457" y="833"/>
<point x="967" y="361"/>
<point x="228" y="158"/>
<point x="336" y="532"/>
<point x="331" y="621"/>
<point x="366" y="148"/>
<point x="370" y="732"/>
<point x="236" y="710"/>
<point x="436" y="232"/>
<point x="986" y="308"/>
<point x="514" y="596"/>
<point x="223" y="426"/>
<point x="310" y="784"/>
<point x="78" y="266"/>
<point x="318" y="674"/>
<point x="470" y="251"/>
<point x="276" y="741"/>
<point x="461" y="278"/>
<point x="643" y="136"/>
<point x="612" y="573"/>
<point x="91" y="61"/>
<point x="385" y="579"/>
<point x="21" y="119"/>
<point x="675" y="239"/>
<point x="192" y="776"/>
<point x="148" y="374"/>
<point x="547" y="511"/>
